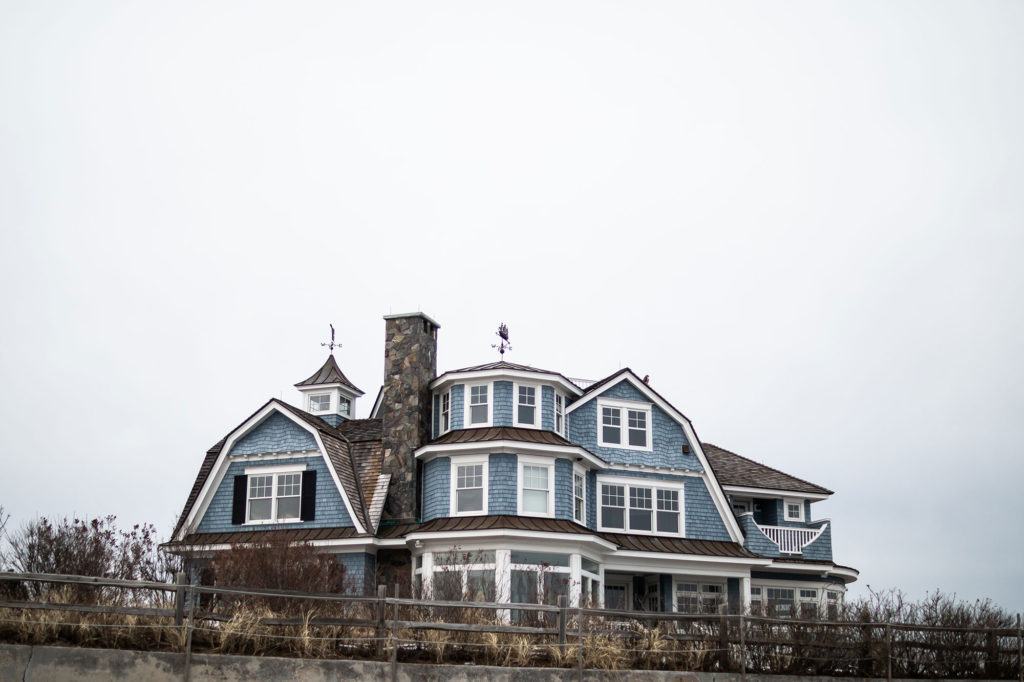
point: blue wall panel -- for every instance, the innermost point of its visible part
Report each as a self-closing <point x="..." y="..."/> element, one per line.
<point x="437" y="491"/>
<point x="276" y="433"/>
<point x="563" y="489"/>
<point x="502" y="403"/>
<point x="502" y="474"/>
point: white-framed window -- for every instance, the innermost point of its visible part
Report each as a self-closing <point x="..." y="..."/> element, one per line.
<point x="741" y="506"/>
<point x="526" y="405"/>
<point x="808" y="603"/>
<point x="641" y="507"/>
<point x="445" y="422"/>
<point x="624" y="424"/>
<point x="833" y="603"/>
<point x="320" y="402"/>
<point x="579" y="497"/>
<point x="538" y="578"/>
<point x="273" y="494"/>
<point x="536" y="483"/>
<point x="478" y="407"/>
<point x="344" y="406"/>
<point x="793" y="509"/>
<point x="461" y="575"/>
<point x="469" y="486"/>
<point x="559" y="414"/>
<point x="698" y="597"/>
<point x="781" y="601"/>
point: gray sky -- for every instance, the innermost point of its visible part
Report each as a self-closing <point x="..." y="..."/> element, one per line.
<point x="803" y="220"/>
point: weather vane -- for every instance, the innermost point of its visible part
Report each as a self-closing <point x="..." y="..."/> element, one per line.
<point x="504" y="345"/>
<point x="331" y="345"/>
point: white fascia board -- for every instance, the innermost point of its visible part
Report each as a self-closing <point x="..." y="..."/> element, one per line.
<point x="538" y="378"/>
<point x="376" y="403"/>
<point x="564" y="538"/>
<point x="429" y="452"/>
<point x="220" y="467"/>
<point x="772" y="492"/>
<point x="814" y="569"/>
<point x="678" y="564"/>
<point x="367" y="543"/>
<point x="613" y="467"/>
<point x="426" y="317"/>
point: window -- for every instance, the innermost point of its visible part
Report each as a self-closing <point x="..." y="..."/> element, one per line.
<point x="559" y="414"/>
<point x="651" y="509"/>
<point x="755" y="601"/>
<point x="446" y="412"/>
<point x="274" y="497"/>
<point x="794" y="510"/>
<point x="809" y="603"/>
<point x="693" y="597"/>
<point x="462" y="575"/>
<point x="526" y="405"/>
<point x="469" y="488"/>
<point x="320" y="402"/>
<point x="741" y="506"/>
<point x="578" y="498"/>
<point x="535" y="494"/>
<point x="780" y="601"/>
<point x="479" y="406"/>
<point x="344" y="406"/>
<point x="624" y="424"/>
<point x="833" y="603"/>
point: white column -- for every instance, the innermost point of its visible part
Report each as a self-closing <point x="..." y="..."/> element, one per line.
<point x="503" y="576"/>
<point x="428" y="575"/>
<point x="575" y="579"/>
<point x="745" y="594"/>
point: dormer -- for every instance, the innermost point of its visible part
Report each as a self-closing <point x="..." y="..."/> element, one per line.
<point x="328" y="394"/>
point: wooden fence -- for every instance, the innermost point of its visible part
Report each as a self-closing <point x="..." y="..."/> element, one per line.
<point x="397" y="629"/>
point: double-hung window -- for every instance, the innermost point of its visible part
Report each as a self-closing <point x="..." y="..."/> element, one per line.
<point x="526" y="406"/>
<point x="446" y="412"/>
<point x="579" y="488"/>
<point x="535" y="482"/>
<point x="273" y="497"/>
<point x="559" y="414"/>
<point x="624" y="424"/>
<point x="470" y="488"/>
<point x="479" y="405"/>
<point x="654" y="509"/>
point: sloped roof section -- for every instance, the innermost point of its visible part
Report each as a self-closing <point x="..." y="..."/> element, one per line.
<point x="276" y="535"/>
<point x="510" y="366"/>
<point x="204" y="472"/>
<point x="501" y="433"/>
<point x="330" y="373"/>
<point x="358" y="430"/>
<point x="733" y="469"/>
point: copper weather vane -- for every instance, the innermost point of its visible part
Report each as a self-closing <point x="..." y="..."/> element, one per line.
<point x="332" y="345"/>
<point x="504" y="345"/>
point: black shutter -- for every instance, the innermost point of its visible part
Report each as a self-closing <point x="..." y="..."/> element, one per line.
<point x="308" y="511"/>
<point x="238" y="501"/>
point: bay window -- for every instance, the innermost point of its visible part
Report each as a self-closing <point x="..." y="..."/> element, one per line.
<point x="526" y="406"/>
<point x="469" y="487"/>
<point x="535" y="481"/>
<point x="479" y="405"/>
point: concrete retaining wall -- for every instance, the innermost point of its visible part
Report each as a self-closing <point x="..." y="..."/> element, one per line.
<point x="71" y="664"/>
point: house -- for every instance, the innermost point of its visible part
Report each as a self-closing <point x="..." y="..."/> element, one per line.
<point x="514" y="484"/>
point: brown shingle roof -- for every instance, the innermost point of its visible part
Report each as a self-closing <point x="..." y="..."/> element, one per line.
<point x="282" y="534"/>
<point x="733" y="469"/>
<point x="501" y="433"/>
<point x="641" y="543"/>
<point x="356" y="430"/>
<point x="502" y="364"/>
<point x="329" y="373"/>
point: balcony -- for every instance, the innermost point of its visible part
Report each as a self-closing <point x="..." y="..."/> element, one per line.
<point x="792" y="540"/>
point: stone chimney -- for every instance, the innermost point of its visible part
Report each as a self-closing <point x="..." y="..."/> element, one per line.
<point x="410" y="364"/>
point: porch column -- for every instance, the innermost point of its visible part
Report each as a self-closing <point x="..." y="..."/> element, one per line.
<point x="745" y="594"/>
<point x="503" y="576"/>
<point x="427" y="575"/>
<point x="575" y="579"/>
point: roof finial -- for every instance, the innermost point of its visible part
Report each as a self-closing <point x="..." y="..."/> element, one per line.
<point x="504" y="345"/>
<point x="331" y="345"/>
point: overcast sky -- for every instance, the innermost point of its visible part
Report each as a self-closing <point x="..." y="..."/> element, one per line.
<point x="803" y="220"/>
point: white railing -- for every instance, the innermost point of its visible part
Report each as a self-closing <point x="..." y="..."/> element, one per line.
<point x="792" y="540"/>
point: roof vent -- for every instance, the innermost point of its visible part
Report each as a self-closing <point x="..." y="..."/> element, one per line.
<point x="686" y="448"/>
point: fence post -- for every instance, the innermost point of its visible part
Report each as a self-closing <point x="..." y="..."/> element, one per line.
<point x="743" y="648"/>
<point x="1020" y="651"/>
<point x="723" y="639"/>
<point x="562" y="614"/>
<point x="579" y="648"/>
<point x="888" y="652"/>
<point x="188" y="632"/>
<point x="394" y="640"/>
<point x="382" y="592"/>
<point x="179" y="598"/>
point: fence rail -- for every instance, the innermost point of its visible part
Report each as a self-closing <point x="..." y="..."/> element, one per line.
<point x="402" y="629"/>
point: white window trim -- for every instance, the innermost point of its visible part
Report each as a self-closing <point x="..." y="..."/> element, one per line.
<point x="549" y="464"/>
<point x="456" y="462"/>
<point x="700" y="583"/>
<point x="330" y="401"/>
<point x="441" y="430"/>
<point x="636" y="482"/>
<point x="785" y="509"/>
<point x="467" y="397"/>
<point x="538" y="393"/>
<point x="579" y="471"/>
<point x="564" y="431"/>
<point x="821" y="600"/>
<point x="273" y="471"/>
<point x="623" y="406"/>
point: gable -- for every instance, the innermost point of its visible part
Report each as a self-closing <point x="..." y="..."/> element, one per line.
<point x="277" y="433"/>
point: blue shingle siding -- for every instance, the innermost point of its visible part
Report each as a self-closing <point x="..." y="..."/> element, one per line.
<point x="332" y="419"/>
<point x="276" y="433"/>
<point x="547" y="408"/>
<point x="437" y="491"/>
<point x="502" y="403"/>
<point x="435" y="415"/>
<point x="754" y="539"/>
<point x="458" y="405"/>
<point x="820" y="549"/>
<point x="563" y="489"/>
<point x="592" y="498"/>
<point x="703" y="521"/>
<point x="502" y="488"/>
<point x="330" y="508"/>
<point x="667" y="435"/>
<point x="360" y="572"/>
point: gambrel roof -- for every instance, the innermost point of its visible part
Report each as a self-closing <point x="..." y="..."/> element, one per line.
<point x="735" y="470"/>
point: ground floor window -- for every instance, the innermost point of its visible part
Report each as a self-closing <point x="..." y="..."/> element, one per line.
<point x="461" y="576"/>
<point x="696" y="597"/>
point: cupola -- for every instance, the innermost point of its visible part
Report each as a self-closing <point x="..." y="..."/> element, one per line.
<point x="328" y="394"/>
